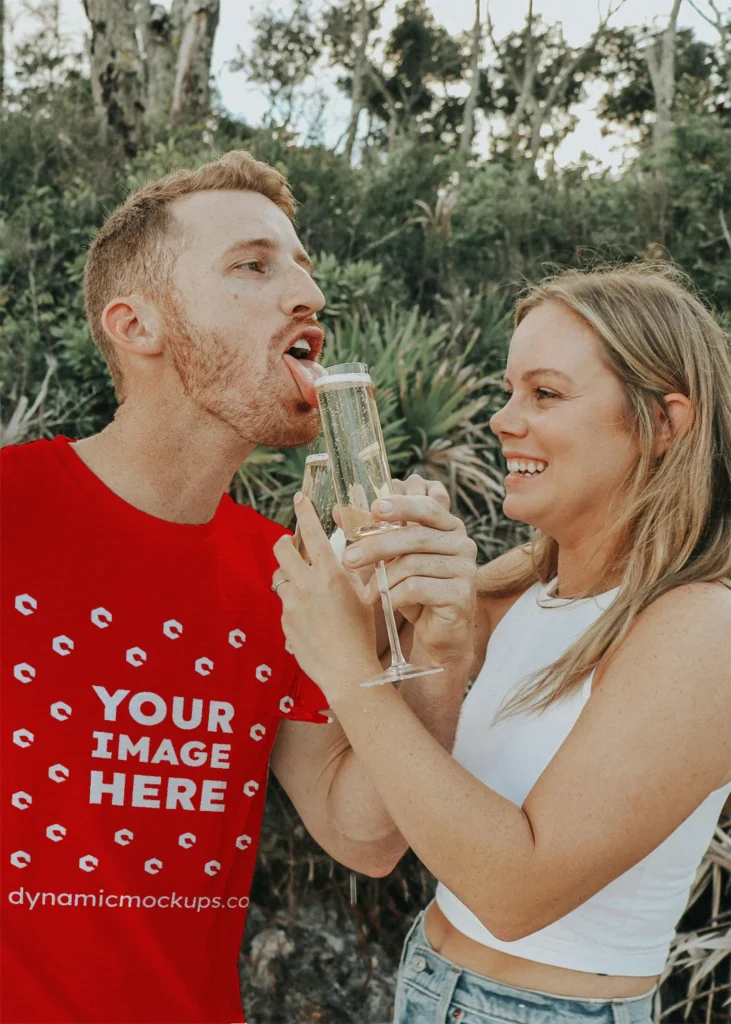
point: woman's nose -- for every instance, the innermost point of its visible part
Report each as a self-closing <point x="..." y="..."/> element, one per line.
<point x="508" y="421"/>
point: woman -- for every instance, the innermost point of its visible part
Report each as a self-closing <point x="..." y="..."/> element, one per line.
<point x="593" y="753"/>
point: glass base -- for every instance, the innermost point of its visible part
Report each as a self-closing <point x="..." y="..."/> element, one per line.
<point x="396" y="673"/>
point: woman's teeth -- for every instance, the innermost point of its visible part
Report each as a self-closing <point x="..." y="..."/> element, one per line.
<point x="526" y="468"/>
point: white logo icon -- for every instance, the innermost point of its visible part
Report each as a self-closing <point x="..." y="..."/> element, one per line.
<point x="26" y="605"/>
<point x="212" y="867"/>
<point x="236" y="638"/>
<point x="251" y="787"/>
<point x="186" y="840"/>
<point x="204" y="666"/>
<point x="153" y="866"/>
<point x="124" y="837"/>
<point x="21" y="800"/>
<point x="60" y="711"/>
<point x="63" y="645"/>
<point x="23" y="738"/>
<point x="20" y="859"/>
<point x="88" y="863"/>
<point x="263" y="673"/>
<point x="285" y="705"/>
<point x="257" y="732"/>
<point x="243" y="842"/>
<point x="288" y="647"/>
<point x="172" y="628"/>
<point x="135" y="656"/>
<point x="24" y="672"/>
<point x="101" y="617"/>
<point x="56" y="833"/>
<point x="58" y="772"/>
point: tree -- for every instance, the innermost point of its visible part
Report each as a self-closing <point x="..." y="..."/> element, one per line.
<point x="284" y="51"/>
<point x="468" y="120"/>
<point x="148" y="66"/>
<point x="2" y="49"/>
<point x="192" y="73"/>
<point x="724" y="30"/>
<point x="660" y="57"/>
<point x="117" y="70"/>
<point x="542" y="76"/>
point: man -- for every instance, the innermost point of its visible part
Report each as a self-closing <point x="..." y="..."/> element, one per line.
<point x="144" y="670"/>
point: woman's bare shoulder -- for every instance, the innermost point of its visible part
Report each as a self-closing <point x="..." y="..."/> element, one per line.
<point x="492" y="605"/>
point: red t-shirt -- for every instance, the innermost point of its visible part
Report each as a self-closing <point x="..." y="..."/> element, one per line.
<point x="144" y="675"/>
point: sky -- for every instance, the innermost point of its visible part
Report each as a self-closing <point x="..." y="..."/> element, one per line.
<point x="578" y="17"/>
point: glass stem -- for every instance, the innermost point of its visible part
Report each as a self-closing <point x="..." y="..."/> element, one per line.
<point x="397" y="657"/>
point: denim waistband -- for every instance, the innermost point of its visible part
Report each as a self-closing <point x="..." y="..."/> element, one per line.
<point x="451" y="985"/>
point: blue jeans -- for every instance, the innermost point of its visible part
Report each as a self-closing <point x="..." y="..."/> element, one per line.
<point x="433" y="990"/>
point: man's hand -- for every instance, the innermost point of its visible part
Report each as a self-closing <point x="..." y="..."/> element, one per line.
<point x="431" y="567"/>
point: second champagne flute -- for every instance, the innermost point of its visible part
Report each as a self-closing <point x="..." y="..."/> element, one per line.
<point x="360" y="473"/>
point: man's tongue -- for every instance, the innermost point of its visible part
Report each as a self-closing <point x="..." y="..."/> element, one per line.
<point x="304" y="372"/>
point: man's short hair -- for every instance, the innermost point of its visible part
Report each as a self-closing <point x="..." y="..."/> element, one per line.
<point x="134" y="250"/>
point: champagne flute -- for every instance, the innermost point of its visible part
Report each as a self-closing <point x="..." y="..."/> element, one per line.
<point x="317" y="485"/>
<point x="360" y="473"/>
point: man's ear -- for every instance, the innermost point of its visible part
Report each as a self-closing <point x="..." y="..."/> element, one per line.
<point x="675" y="420"/>
<point x="134" y="324"/>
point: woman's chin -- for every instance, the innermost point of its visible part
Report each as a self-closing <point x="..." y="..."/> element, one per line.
<point x="517" y="508"/>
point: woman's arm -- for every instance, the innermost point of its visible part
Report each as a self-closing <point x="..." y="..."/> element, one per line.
<point x="650" y="745"/>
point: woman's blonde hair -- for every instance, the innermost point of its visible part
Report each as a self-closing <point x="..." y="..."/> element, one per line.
<point x="675" y="527"/>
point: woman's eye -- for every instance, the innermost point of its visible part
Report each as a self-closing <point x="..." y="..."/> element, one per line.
<point x="250" y="265"/>
<point x="545" y="393"/>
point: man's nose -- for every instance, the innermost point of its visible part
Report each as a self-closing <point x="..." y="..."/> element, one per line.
<point x="304" y="298"/>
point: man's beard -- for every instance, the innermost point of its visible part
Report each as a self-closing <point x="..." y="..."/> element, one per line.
<point x="222" y="383"/>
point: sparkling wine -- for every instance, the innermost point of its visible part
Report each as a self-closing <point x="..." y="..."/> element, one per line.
<point x="359" y="465"/>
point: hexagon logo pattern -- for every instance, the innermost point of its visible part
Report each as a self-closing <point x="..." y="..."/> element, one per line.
<point x="212" y="867"/>
<point x="123" y="836"/>
<point x="24" y="672"/>
<point x="285" y="705"/>
<point x="88" y="862"/>
<point x="23" y="737"/>
<point x="236" y="638"/>
<point x="26" y="605"/>
<point x="62" y="645"/>
<point x="101" y="618"/>
<point x="251" y="787"/>
<point x="243" y="842"/>
<point x="58" y="772"/>
<point x="60" y="711"/>
<point x="257" y="732"/>
<point x="263" y="673"/>
<point x="20" y="859"/>
<point x="153" y="866"/>
<point x="204" y="666"/>
<point x="21" y="800"/>
<point x="172" y="629"/>
<point x="136" y="656"/>
<point x="186" y="840"/>
<point x="56" y="833"/>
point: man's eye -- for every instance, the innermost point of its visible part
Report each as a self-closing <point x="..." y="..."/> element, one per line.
<point x="250" y="265"/>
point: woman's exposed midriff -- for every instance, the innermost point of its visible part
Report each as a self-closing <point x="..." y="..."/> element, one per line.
<point x="452" y="944"/>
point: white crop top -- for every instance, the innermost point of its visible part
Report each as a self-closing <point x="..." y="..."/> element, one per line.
<point x="626" y="927"/>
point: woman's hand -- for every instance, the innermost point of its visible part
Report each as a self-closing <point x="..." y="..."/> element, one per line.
<point x="431" y="568"/>
<point x="325" y="615"/>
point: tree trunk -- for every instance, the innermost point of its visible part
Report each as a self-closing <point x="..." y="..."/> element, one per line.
<point x="117" y="70"/>
<point x="192" y="73"/>
<point x="160" y="34"/>
<point x="359" y="71"/>
<point x="468" y="121"/>
<point x="660" y="58"/>
<point x="2" y="50"/>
